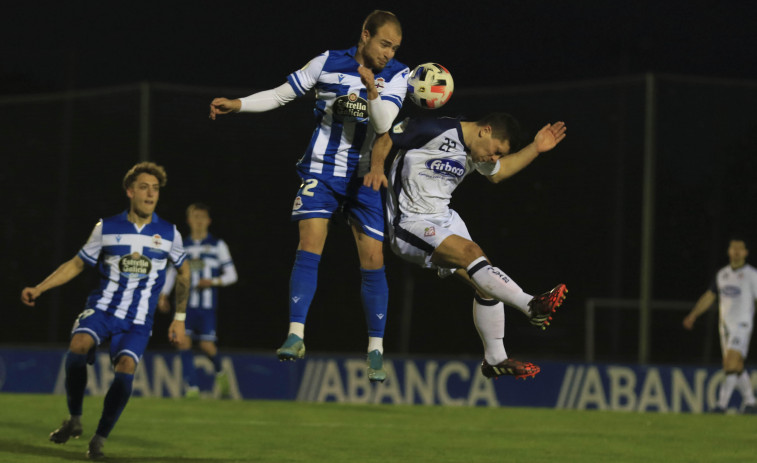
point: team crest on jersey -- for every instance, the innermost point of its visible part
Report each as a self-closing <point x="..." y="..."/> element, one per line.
<point x="351" y="106"/>
<point x="156" y="241"/>
<point x="135" y="265"/>
<point x="297" y="203"/>
<point x="380" y="83"/>
<point x="446" y="167"/>
<point x="429" y="231"/>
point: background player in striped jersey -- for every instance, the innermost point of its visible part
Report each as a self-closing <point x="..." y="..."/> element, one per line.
<point x="736" y="286"/>
<point x="212" y="267"/>
<point x="359" y="92"/>
<point x="434" y="157"/>
<point x="130" y="252"/>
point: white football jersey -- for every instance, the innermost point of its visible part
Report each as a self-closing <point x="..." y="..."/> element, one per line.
<point x="431" y="162"/>
<point x="737" y="290"/>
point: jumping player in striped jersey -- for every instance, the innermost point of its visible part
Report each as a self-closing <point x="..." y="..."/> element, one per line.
<point x="212" y="268"/>
<point x="433" y="158"/>
<point x="735" y="285"/>
<point x="359" y="91"/>
<point x="130" y="251"/>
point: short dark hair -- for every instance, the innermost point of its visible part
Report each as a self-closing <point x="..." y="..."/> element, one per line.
<point x="145" y="168"/>
<point x="738" y="237"/>
<point x="504" y="127"/>
<point x="378" y="18"/>
<point x="198" y="207"/>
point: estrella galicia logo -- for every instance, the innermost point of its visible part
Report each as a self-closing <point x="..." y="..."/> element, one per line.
<point x="446" y="167"/>
<point x="351" y="106"/>
<point x="135" y="265"/>
<point x="730" y="291"/>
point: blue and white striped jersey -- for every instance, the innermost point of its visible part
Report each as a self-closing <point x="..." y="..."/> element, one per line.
<point x="210" y="259"/>
<point x="132" y="265"/>
<point x="343" y="137"/>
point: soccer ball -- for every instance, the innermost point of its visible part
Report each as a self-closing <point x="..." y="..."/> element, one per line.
<point x="430" y="85"/>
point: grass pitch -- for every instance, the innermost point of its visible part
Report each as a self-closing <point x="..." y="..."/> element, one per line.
<point x="166" y="430"/>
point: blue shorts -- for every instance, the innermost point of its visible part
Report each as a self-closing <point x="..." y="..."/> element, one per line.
<point x="323" y="196"/>
<point x="201" y="324"/>
<point x="125" y="337"/>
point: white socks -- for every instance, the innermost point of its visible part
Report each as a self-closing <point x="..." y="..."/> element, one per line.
<point x="375" y="344"/>
<point x="726" y="389"/>
<point x="744" y="383"/>
<point x="495" y="283"/>
<point x="489" y="318"/>
<point x="298" y="329"/>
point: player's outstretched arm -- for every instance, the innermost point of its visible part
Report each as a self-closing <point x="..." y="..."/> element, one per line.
<point x="546" y="139"/>
<point x="704" y="303"/>
<point x="549" y="136"/>
<point x="376" y="178"/>
<point x="224" y="106"/>
<point x="62" y="275"/>
<point x="176" y="331"/>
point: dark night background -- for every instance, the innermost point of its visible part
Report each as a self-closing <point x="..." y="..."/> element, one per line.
<point x="573" y="216"/>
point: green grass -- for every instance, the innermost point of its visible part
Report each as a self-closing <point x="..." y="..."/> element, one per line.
<point x="166" y="430"/>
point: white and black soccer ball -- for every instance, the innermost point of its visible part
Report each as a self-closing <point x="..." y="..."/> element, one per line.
<point x="430" y="85"/>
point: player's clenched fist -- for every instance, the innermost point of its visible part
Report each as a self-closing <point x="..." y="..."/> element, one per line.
<point x="223" y="106"/>
<point x="29" y="295"/>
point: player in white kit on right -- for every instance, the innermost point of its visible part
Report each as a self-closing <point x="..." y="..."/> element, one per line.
<point x="736" y="286"/>
<point x="434" y="157"/>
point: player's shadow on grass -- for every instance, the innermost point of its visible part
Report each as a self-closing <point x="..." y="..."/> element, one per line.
<point x="43" y="449"/>
<point x="77" y="453"/>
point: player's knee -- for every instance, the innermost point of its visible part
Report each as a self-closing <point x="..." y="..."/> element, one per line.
<point x="471" y="251"/>
<point x="125" y="364"/>
<point x="81" y="343"/>
<point x="208" y="347"/>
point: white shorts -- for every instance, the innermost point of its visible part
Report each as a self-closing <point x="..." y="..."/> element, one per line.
<point x="415" y="238"/>
<point x="735" y="338"/>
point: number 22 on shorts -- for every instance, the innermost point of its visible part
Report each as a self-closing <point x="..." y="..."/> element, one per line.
<point x="308" y="185"/>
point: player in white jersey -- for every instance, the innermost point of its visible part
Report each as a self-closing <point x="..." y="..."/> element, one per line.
<point x="212" y="268"/>
<point x="130" y="252"/>
<point x="433" y="158"/>
<point x="359" y="92"/>
<point x="735" y="285"/>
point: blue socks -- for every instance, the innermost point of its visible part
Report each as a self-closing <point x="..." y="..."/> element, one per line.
<point x="374" y="292"/>
<point x="375" y="295"/>
<point x="302" y="285"/>
<point x="76" y="381"/>
<point x="115" y="401"/>
<point x="188" y="367"/>
<point x="216" y="359"/>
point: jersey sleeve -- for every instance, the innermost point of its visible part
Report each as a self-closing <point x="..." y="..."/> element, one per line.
<point x="170" y="280"/>
<point x="228" y="270"/>
<point x="487" y="168"/>
<point x="90" y="252"/>
<point x="304" y="79"/>
<point x="177" y="254"/>
<point x="396" y="89"/>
